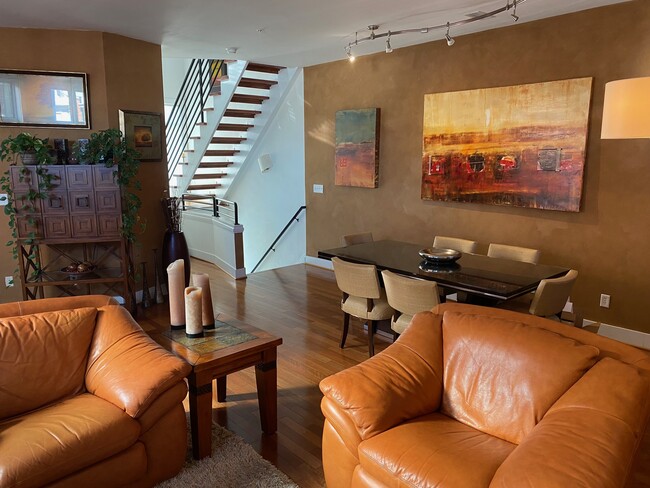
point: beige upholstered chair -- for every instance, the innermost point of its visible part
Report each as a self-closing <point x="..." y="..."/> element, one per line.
<point x="352" y="239"/>
<point x="462" y="245"/>
<point x="514" y="253"/>
<point x="362" y="297"/>
<point x="408" y="296"/>
<point x="549" y="299"/>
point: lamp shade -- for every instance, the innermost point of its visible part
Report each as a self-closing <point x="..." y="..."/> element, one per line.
<point x="626" y="110"/>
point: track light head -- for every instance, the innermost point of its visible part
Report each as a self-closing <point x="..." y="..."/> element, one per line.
<point x="450" y="40"/>
<point x="389" y="48"/>
<point x="348" y="52"/>
<point x="514" y="12"/>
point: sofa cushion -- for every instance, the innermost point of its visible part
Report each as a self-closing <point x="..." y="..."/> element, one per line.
<point x="501" y="376"/>
<point x="43" y="358"/>
<point x="431" y="451"/>
<point x="61" y="439"/>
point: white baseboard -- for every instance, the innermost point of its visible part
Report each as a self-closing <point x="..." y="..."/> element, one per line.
<point x="629" y="336"/>
<point x="321" y="263"/>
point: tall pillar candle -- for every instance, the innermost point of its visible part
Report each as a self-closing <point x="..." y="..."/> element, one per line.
<point x="202" y="280"/>
<point x="175" y="288"/>
<point x="193" y="322"/>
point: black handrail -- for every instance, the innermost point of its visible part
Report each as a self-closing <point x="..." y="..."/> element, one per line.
<point x="271" y="247"/>
<point x="188" y="108"/>
<point x="224" y="209"/>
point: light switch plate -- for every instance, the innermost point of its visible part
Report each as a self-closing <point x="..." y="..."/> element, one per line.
<point x="4" y="199"/>
<point x="318" y="188"/>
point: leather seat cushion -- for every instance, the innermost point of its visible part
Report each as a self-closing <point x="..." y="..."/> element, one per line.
<point x="431" y="451"/>
<point x="48" y="444"/>
<point x="358" y="307"/>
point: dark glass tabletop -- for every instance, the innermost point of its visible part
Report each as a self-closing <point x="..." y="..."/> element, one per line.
<point x="474" y="273"/>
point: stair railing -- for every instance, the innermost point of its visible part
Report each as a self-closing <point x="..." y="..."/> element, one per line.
<point x="286" y="227"/>
<point x="188" y="108"/>
<point x="224" y="209"/>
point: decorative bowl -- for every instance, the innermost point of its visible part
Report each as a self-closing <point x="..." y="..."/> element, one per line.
<point x="437" y="255"/>
<point x="75" y="275"/>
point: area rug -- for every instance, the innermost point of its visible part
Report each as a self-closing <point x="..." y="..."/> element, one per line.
<point x="234" y="464"/>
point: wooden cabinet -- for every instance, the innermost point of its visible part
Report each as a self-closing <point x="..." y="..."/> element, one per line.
<point x="65" y="215"/>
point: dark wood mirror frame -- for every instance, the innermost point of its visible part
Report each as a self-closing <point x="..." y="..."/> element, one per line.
<point x="44" y="99"/>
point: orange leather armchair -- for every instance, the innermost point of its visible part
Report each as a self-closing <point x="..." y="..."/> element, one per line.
<point x="86" y="397"/>
<point x="476" y="397"/>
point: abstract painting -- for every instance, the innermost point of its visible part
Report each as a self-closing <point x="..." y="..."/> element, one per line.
<point x="521" y="146"/>
<point x="357" y="148"/>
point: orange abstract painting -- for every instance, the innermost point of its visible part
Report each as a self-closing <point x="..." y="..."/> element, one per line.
<point x="519" y="145"/>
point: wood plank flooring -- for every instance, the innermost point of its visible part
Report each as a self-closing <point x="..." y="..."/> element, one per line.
<point x="301" y="305"/>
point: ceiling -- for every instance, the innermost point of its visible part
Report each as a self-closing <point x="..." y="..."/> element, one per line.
<point x="282" y="32"/>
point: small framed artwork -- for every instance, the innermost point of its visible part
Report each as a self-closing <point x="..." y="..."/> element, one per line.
<point x="143" y="132"/>
<point x="357" y="148"/>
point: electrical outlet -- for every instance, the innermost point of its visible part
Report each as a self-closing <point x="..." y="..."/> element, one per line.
<point x="9" y="281"/>
<point x="604" y="300"/>
<point x="318" y="188"/>
<point x="4" y="199"/>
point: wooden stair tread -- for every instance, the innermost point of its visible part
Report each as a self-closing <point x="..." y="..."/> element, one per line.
<point x="234" y="127"/>
<point x="208" y="176"/>
<point x="221" y="152"/>
<point x="227" y="140"/>
<point x="235" y="112"/>
<point x="203" y="187"/>
<point x="256" y="83"/>
<point x="254" y="99"/>
<point x="190" y="196"/>
<point x="221" y="164"/>
<point x="263" y="68"/>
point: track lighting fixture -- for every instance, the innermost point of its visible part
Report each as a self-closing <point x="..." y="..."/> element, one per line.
<point x="373" y="34"/>
<point x="389" y="48"/>
<point x="450" y="40"/>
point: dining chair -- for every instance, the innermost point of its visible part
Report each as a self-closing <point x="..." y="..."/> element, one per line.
<point x="514" y="253"/>
<point x="361" y="238"/>
<point x="455" y="243"/>
<point x="362" y="297"/>
<point x="549" y="299"/>
<point x="408" y="296"/>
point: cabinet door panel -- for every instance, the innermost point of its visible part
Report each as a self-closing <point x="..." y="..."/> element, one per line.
<point x="84" y="226"/>
<point x="79" y="177"/>
<point x="24" y="227"/>
<point x="82" y="202"/>
<point x="109" y="225"/>
<point x="56" y="178"/>
<point x="23" y="178"/>
<point x="55" y="203"/>
<point x="104" y="177"/>
<point x="107" y="201"/>
<point x="57" y="227"/>
<point x="24" y="206"/>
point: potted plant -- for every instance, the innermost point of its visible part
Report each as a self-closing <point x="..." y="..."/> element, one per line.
<point x="30" y="149"/>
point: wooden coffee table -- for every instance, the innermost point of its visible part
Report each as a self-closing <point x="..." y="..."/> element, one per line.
<point x="230" y="347"/>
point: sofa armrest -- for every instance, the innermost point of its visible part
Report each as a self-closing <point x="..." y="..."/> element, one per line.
<point x="588" y="438"/>
<point x="402" y="382"/>
<point x="28" y="307"/>
<point x="126" y="367"/>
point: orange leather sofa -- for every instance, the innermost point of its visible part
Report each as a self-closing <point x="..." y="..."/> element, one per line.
<point x="475" y="397"/>
<point x="86" y="397"/>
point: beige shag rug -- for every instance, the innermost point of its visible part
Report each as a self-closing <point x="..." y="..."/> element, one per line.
<point x="234" y="464"/>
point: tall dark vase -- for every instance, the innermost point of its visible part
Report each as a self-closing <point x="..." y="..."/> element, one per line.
<point x="175" y="247"/>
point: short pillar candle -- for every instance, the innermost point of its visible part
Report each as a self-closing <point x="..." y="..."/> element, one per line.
<point x="175" y="287"/>
<point x="193" y="322"/>
<point x="202" y="280"/>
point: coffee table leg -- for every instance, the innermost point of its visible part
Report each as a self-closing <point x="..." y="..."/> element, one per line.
<point x="266" y="375"/>
<point x="200" y="417"/>
<point x="221" y="389"/>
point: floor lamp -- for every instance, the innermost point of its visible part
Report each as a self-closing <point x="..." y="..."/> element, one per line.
<point x="626" y="110"/>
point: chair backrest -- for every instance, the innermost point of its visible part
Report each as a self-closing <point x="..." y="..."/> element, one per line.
<point x="551" y="295"/>
<point x="462" y="245"/>
<point x="514" y="253"/>
<point x="352" y="239"/>
<point x="410" y="295"/>
<point x="359" y="280"/>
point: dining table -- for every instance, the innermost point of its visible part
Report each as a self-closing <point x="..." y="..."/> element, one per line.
<point x="476" y="274"/>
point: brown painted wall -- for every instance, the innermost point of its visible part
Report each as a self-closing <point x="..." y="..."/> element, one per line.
<point x="606" y="241"/>
<point x="123" y="73"/>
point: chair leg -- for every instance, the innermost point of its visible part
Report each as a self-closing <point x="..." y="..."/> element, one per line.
<point x="346" y="326"/>
<point x="371" y="338"/>
<point x="395" y="336"/>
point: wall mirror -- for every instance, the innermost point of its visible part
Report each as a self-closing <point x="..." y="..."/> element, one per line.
<point x="43" y="99"/>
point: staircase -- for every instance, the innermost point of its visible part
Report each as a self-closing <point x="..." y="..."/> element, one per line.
<point x="232" y="122"/>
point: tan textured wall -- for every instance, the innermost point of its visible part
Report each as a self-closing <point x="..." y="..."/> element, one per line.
<point x="607" y="241"/>
<point x="122" y="73"/>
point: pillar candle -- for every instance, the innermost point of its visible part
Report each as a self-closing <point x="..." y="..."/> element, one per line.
<point x="193" y="323"/>
<point x="202" y="280"/>
<point x="175" y="287"/>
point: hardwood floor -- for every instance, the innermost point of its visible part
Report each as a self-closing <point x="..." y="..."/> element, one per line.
<point x="301" y="305"/>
